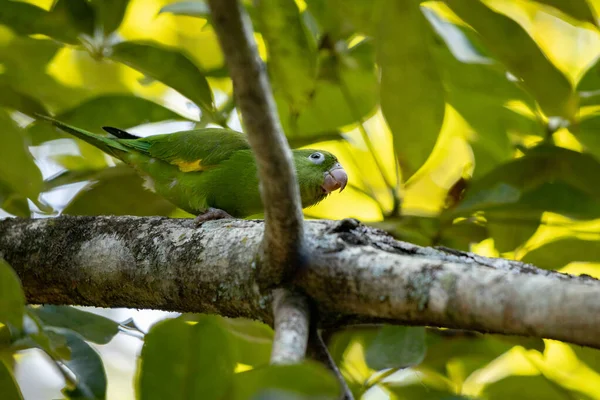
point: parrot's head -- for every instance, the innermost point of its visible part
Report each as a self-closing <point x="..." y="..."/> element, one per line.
<point x="319" y="173"/>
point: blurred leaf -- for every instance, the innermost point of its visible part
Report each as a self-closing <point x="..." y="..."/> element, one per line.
<point x="547" y="178"/>
<point x="309" y="379"/>
<point x="412" y="95"/>
<point x="117" y="191"/>
<point x="478" y="88"/>
<point x="517" y="50"/>
<point x="421" y="392"/>
<point x="121" y="111"/>
<point x="92" y="327"/>
<point x="252" y="339"/>
<point x="169" y="66"/>
<point x="343" y="97"/>
<point x="8" y="384"/>
<point x="292" y="57"/>
<point x="330" y="19"/>
<point x="396" y="347"/>
<point x="587" y="132"/>
<point x="578" y="9"/>
<point x="17" y="168"/>
<point x="38" y="336"/>
<point x="187" y="8"/>
<point x="526" y="388"/>
<point x="28" y="19"/>
<point x="184" y="361"/>
<point x="87" y="366"/>
<point x="12" y="298"/>
<point x="296" y="142"/>
<point x="11" y="98"/>
<point x="411" y="228"/>
<point x="509" y="234"/>
<point x="13" y="203"/>
<point x="560" y="252"/>
<point x="461" y="234"/>
<point x="79" y="12"/>
<point x="587" y="355"/>
<point x="110" y="13"/>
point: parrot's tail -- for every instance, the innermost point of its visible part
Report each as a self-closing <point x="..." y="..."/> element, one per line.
<point x="108" y="145"/>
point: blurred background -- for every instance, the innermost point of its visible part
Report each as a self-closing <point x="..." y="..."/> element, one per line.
<point x="467" y="124"/>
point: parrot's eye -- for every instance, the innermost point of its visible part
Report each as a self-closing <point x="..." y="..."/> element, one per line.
<point x="317" y="157"/>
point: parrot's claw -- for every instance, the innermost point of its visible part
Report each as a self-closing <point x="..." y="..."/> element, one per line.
<point x="210" y="215"/>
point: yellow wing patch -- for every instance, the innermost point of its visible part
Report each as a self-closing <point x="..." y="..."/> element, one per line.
<point x="189" y="166"/>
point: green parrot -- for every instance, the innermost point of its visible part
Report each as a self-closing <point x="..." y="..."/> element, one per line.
<point x="210" y="172"/>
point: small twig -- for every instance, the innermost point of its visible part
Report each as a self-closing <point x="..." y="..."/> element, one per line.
<point x="317" y="350"/>
<point x="292" y="316"/>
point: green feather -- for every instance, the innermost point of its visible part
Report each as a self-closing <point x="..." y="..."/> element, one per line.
<point x="204" y="168"/>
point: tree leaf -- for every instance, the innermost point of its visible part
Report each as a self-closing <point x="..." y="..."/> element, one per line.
<point x="12" y="298"/>
<point x="184" y="361"/>
<point x="17" y="168"/>
<point x="87" y="366"/>
<point x="79" y="12"/>
<point x="92" y="327"/>
<point x="8" y="384"/>
<point x="526" y="388"/>
<point x="509" y="234"/>
<point x="292" y="57"/>
<point x="558" y="253"/>
<point x="412" y="95"/>
<point x="578" y="9"/>
<point x="307" y="380"/>
<point x="547" y="178"/>
<point x="396" y="347"/>
<point x="121" y="111"/>
<point x="520" y="54"/>
<point x="187" y="8"/>
<point x="343" y="97"/>
<point x="252" y="339"/>
<point x="11" y="98"/>
<point x="110" y="13"/>
<point x="169" y="66"/>
<point x="587" y="132"/>
<point x="28" y="19"/>
<point x="107" y="196"/>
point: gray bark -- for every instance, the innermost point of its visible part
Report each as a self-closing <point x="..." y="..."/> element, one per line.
<point x="356" y="274"/>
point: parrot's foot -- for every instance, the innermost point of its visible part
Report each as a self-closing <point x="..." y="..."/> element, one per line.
<point x="210" y="215"/>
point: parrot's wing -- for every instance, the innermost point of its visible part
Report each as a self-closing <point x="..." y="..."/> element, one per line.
<point x="195" y="150"/>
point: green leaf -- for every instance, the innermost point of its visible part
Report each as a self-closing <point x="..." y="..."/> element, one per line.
<point x="87" y="366"/>
<point x="107" y="196"/>
<point x="28" y="19"/>
<point x="342" y="97"/>
<point x="547" y="178"/>
<point x="412" y="95"/>
<point x="527" y="388"/>
<point x="13" y="99"/>
<point x="184" y="361"/>
<point x="509" y="234"/>
<point x="92" y="327"/>
<point x="8" y="385"/>
<point x="252" y="339"/>
<point x="12" y="298"/>
<point x="587" y="132"/>
<point x="79" y="12"/>
<point x="169" y="66"/>
<point x="121" y="111"/>
<point x="292" y="57"/>
<point x="187" y="8"/>
<point x="559" y="253"/>
<point x="512" y="45"/>
<point x="421" y="391"/>
<point x="478" y="88"/>
<point x="17" y="168"/>
<point x="578" y="9"/>
<point x="330" y="19"/>
<point x="396" y="347"/>
<point x="110" y="13"/>
<point x="309" y="379"/>
<point x="13" y="203"/>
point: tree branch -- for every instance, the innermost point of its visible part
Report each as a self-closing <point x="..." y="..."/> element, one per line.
<point x="292" y="319"/>
<point x="356" y="275"/>
<point x="279" y="188"/>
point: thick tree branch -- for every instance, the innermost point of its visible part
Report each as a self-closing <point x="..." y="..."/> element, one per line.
<point x="279" y="188"/>
<point x="292" y="319"/>
<point x="356" y="274"/>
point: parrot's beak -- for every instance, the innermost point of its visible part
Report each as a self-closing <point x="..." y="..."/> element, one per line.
<point x="335" y="178"/>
